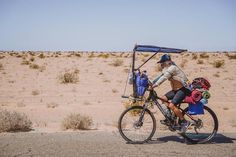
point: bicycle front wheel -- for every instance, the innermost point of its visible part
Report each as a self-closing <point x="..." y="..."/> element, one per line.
<point x="137" y="125"/>
<point x="204" y="128"/>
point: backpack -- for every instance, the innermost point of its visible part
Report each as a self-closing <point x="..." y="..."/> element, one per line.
<point x="201" y="83"/>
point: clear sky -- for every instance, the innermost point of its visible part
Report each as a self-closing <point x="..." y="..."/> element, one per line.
<point x="116" y="25"/>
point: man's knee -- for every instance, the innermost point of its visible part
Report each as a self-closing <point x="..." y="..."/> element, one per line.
<point x="164" y="98"/>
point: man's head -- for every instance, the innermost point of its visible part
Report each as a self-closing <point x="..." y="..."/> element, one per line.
<point x="165" y="60"/>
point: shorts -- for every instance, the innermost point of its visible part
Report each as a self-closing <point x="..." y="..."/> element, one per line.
<point x="177" y="96"/>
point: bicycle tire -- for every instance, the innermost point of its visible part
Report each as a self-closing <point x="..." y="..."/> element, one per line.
<point x="122" y="132"/>
<point x="211" y="135"/>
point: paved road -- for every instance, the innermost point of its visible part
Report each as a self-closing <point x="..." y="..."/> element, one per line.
<point x="98" y="143"/>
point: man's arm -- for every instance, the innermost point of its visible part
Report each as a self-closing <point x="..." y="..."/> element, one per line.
<point x="162" y="78"/>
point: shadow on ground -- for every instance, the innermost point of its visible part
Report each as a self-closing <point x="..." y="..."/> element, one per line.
<point x="218" y="139"/>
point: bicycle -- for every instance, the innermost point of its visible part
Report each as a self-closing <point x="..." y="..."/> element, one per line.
<point x="137" y="124"/>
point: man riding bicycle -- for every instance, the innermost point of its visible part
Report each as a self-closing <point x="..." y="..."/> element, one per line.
<point x="178" y="81"/>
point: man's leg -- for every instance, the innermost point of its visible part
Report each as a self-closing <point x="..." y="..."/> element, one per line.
<point x="177" y="112"/>
<point x="177" y="99"/>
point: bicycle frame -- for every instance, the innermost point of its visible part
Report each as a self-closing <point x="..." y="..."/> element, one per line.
<point x="153" y="96"/>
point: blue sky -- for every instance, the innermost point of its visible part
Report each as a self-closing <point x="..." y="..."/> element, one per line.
<point x="116" y="25"/>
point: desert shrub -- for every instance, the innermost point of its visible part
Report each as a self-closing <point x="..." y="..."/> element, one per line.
<point x="231" y="56"/>
<point x="34" y="66"/>
<point x="31" y="59"/>
<point x="18" y="55"/>
<point x="41" y="55"/>
<point x="183" y="63"/>
<point x="218" y="63"/>
<point x="194" y="56"/>
<point x="91" y="55"/>
<point x="77" y="122"/>
<point x="35" y="92"/>
<point x="77" y="54"/>
<point x="1" y="66"/>
<point x="200" y="61"/>
<point x="14" y="121"/>
<point x="117" y="62"/>
<point x="1" y="57"/>
<point x="103" y="55"/>
<point x="145" y="54"/>
<point x="217" y="75"/>
<point x="204" y="55"/>
<point x="52" y="105"/>
<point x="69" y="77"/>
<point x="25" y="62"/>
<point x="114" y="91"/>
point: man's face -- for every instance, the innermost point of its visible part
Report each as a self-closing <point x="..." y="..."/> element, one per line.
<point x="165" y="64"/>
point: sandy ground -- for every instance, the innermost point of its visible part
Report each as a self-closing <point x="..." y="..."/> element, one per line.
<point x="99" y="143"/>
<point x="46" y="101"/>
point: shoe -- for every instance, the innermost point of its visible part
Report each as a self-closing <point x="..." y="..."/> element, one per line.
<point x="184" y="126"/>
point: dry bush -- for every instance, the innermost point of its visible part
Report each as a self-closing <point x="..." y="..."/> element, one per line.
<point x="87" y="103"/>
<point x="41" y="55"/>
<point x="69" y="77"/>
<point x="34" y="66"/>
<point x="52" y="105"/>
<point x="14" y="121"/>
<point x="183" y="63"/>
<point x="25" y="62"/>
<point x="204" y="55"/>
<point x="200" y="61"/>
<point x="19" y="55"/>
<point x="225" y="108"/>
<point x="218" y="63"/>
<point x="114" y="91"/>
<point x="231" y="56"/>
<point x="117" y="63"/>
<point x="1" y="57"/>
<point x="1" y="66"/>
<point x="32" y="59"/>
<point x="35" y="92"/>
<point x="103" y="55"/>
<point x="77" y="122"/>
<point x="77" y="54"/>
<point x="217" y="75"/>
<point x="194" y="56"/>
<point x="145" y="54"/>
<point x="91" y="55"/>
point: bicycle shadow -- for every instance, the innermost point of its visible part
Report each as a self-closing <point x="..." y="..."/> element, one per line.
<point x="218" y="139"/>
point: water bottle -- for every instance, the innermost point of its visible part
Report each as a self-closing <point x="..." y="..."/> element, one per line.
<point x="167" y="110"/>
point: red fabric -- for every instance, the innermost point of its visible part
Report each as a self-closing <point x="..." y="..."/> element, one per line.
<point x="194" y="98"/>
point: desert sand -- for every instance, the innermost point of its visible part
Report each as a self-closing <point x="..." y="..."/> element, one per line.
<point x="39" y="93"/>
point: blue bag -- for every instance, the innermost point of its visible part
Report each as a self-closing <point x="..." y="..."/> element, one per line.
<point x="141" y="84"/>
<point x="195" y="109"/>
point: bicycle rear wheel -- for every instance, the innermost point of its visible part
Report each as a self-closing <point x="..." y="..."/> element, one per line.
<point x="204" y="128"/>
<point x="137" y="125"/>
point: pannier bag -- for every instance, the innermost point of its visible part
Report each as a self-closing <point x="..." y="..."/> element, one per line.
<point x="141" y="83"/>
<point x="195" y="109"/>
<point x="199" y="96"/>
